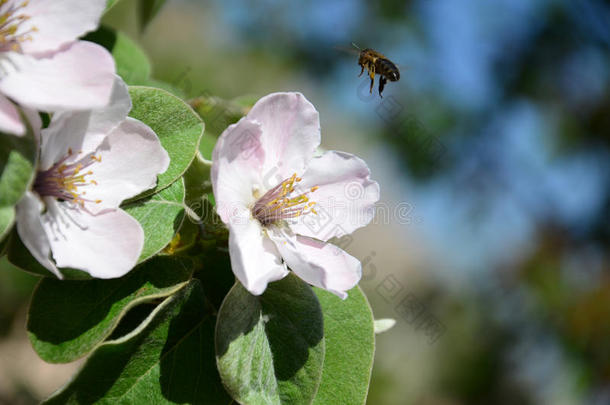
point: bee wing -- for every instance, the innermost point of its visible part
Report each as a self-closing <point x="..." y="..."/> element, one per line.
<point x="347" y="49"/>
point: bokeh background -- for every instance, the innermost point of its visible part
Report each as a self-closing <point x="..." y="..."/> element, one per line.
<point x="491" y="245"/>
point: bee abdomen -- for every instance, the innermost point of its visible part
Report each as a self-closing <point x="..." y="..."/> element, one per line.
<point x="388" y="69"/>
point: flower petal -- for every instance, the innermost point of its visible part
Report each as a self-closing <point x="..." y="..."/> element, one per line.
<point x="254" y="258"/>
<point x="31" y="231"/>
<point x="345" y="200"/>
<point x="237" y="165"/>
<point x="58" y="22"/>
<point x="10" y="121"/>
<point x="291" y="133"/>
<point x="78" y="77"/>
<point x="318" y="263"/>
<point x="83" y="131"/>
<point x="131" y="158"/>
<point x="33" y="118"/>
<point x="106" y="245"/>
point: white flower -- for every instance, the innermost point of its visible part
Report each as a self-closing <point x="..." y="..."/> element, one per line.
<point x="43" y="66"/>
<point x="90" y="162"/>
<point x="282" y="204"/>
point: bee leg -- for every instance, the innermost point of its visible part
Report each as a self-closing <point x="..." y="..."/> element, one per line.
<point x="372" y="76"/>
<point x="382" y="82"/>
<point x="361" y="70"/>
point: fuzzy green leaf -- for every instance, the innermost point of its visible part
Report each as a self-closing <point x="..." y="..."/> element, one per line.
<point x="110" y="4"/>
<point x="161" y="216"/>
<point x="68" y="318"/>
<point x="7" y="218"/>
<point x="350" y="348"/>
<point x="17" y="163"/>
<point x="178" y="127"/>
<point x="170" y="360"/>
<point x="270" y="348"/>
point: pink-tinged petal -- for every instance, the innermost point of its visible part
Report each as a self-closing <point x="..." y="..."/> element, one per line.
<point x="31" y="231"/>
<point x="345" y="199"/>
<point x="10" y="121"/>
<point x="237" y="167"/>
<point x="83" y="131"/>
<point x="131" y="158"/>
<point x="291" y="133"/>
<point x="318" y="263"/>
<point x="57" y="23"/>
<point x="254" y="258"/>
<point x="106" y="245"/>
<point x="80" y="76"/>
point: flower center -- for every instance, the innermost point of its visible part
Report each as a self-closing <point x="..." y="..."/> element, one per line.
<point x="66" y="181"/>
<point x="281" y="202"/>
<point x="11" y="17"/>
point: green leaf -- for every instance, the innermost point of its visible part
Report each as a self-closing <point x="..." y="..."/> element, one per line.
<point x="69" y="318"/>
<point x="270" y="348"/>
<point x="7" y="219"/>
<point x="17" y="163"/>
<point x="175" y="123"/>
<point x="168" y="361"/>
<point x="197" y="183"/>
<point x="148" y="9"/>
<point x="170" y="88"/>
<point x="161" y="216"/>
<point x="3" y="246"/>
<point x="132" y="63"/>
<point x="110" y="4"/>
<point x="350" y="348"/>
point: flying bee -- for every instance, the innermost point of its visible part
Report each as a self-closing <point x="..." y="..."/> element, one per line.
<point x="376" y="63"/>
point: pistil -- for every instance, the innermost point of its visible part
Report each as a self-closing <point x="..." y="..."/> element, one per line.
<point x="65" y="181"/>
<point x="281" y="202"/>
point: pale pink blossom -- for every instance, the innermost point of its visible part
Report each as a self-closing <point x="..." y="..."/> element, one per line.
<point x="282" y="204"/>
<point x="90" y="162"/>
<point x="42" y="64"/>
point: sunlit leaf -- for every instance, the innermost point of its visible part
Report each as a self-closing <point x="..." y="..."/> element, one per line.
<point x="160" y="216"/>
<point x="17" y="163"/>
<point x="350" y="348"/>
<point x="175" y="123"/>
<point x="110" y="4"/>
<point x="270" y="348"/>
